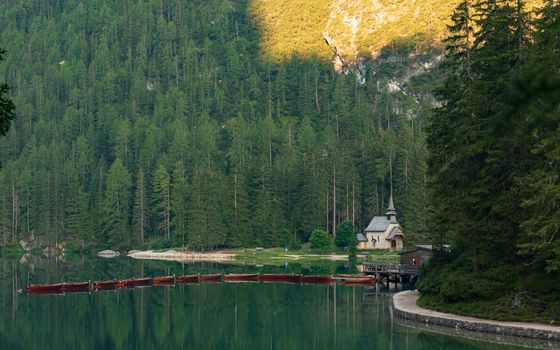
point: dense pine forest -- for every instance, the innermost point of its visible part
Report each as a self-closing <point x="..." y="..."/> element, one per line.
<point x="494" y="158"/>
<point x="166" y="123"/>
<point x="162" y="123"/>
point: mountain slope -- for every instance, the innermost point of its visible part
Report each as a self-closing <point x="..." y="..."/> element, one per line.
<point x="155" y="123"/>
<point x="354" y="29"/>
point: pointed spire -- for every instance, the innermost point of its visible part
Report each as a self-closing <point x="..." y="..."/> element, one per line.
<point x="391" y="204"/>
<point x="391" y="212"/>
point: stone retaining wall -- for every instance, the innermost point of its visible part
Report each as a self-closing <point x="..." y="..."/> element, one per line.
<point x="518" y="333"/>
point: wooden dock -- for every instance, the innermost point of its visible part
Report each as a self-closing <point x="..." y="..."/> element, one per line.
<point x="393" y="272"/>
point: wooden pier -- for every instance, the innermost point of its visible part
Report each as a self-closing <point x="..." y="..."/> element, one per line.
<point x="393" y="272"/>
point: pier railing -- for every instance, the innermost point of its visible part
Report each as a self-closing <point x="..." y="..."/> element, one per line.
<point x="390" y="269"/>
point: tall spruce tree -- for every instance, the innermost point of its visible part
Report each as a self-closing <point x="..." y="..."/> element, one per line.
<point x="116" y="205"/>
<point x="179" y="202"/>
<point x="450" y="169"/>
<point x="76" y="221"/>
<point x="161" y="198"/>
<point x="141" y="211"/>
<point x="536" y="112"/>
<point x="239" y="219"/>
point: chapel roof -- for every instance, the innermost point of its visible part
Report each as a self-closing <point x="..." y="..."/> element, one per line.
<point x="394" y="232"/>
<point x="379" y="224"/>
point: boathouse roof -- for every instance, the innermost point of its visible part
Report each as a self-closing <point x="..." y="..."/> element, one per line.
<point x="361" y="238"/>
<point x="426" y="247"/>
<point x="445" y="247"/>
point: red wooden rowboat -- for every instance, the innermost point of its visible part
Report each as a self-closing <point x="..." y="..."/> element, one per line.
<point x="296" y="278"/>
<point x="45" y="288"/>
<point x="211" y="278"/>
<point x="242" y="277"/>
<point x="134" y="282"/>
<point x="317" y="279"/>
<point x="186" y="279"/>
<point x="163" y="281"/>
<point x="105" y="285"/>
<point x="275" y="277"/>
<point x="359" y="280"/>
<point x="348" y="275"/>
<point x="76" y="287"/>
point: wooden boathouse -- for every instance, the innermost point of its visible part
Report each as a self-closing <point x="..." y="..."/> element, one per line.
<point x="408" y="269"/>
<point x="393" y="272"/>
<point x="417" y="256"/>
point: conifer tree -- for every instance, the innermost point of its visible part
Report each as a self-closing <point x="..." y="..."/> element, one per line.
<point x="206" y="227"/>
<point x="161" y="197"/>
<point x="179" y="202"/>
<point x="239" y="223"/>
<point x="141" y="211"/>
<point x="536" y="113"/>
<point x="116" y="205"/>
<point x="76" y="221"/>
<point x="198" y="216"/>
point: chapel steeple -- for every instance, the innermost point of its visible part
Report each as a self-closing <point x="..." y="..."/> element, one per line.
<point x="391" y="212"/>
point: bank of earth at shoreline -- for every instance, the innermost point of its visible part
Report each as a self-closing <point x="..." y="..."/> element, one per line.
<point x="246" y="256"/>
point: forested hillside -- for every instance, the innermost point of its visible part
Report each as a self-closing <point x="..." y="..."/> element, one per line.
<point x="158" y="123"/>
<point x="494" y="164"/>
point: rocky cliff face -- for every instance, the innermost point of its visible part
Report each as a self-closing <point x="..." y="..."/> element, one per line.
<point x="352" y="28"/>
<point x="342" y="33"/>
<point x="351" y="31"/>
<point x="359" y="29"/>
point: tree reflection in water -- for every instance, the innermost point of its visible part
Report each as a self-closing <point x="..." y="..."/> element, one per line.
<point x="209" y="316"/>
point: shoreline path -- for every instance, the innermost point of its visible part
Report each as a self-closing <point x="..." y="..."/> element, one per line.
<point x="518" y="333"/>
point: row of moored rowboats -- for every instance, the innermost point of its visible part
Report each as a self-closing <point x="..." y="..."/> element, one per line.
<point x="61" y="288"/>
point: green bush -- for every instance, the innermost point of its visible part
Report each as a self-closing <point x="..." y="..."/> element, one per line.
<point x="320" y="239"/>
<point x="346" y="235"/>
<point x="294" y="244"/>
<point x="160" y="243"/>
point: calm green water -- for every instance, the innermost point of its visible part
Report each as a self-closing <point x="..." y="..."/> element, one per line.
<point x="205" y="316"/>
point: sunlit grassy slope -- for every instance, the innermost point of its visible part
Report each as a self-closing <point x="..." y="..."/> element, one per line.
<point x="294" y="25"/>
<point x="355" y="27"/>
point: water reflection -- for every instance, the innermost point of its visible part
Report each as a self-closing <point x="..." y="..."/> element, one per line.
<point x="210" y="316"/>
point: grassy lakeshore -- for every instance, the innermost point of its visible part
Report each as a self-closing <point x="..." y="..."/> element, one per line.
<point x="279" y="256"/>
<point x="274" y="256"/>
